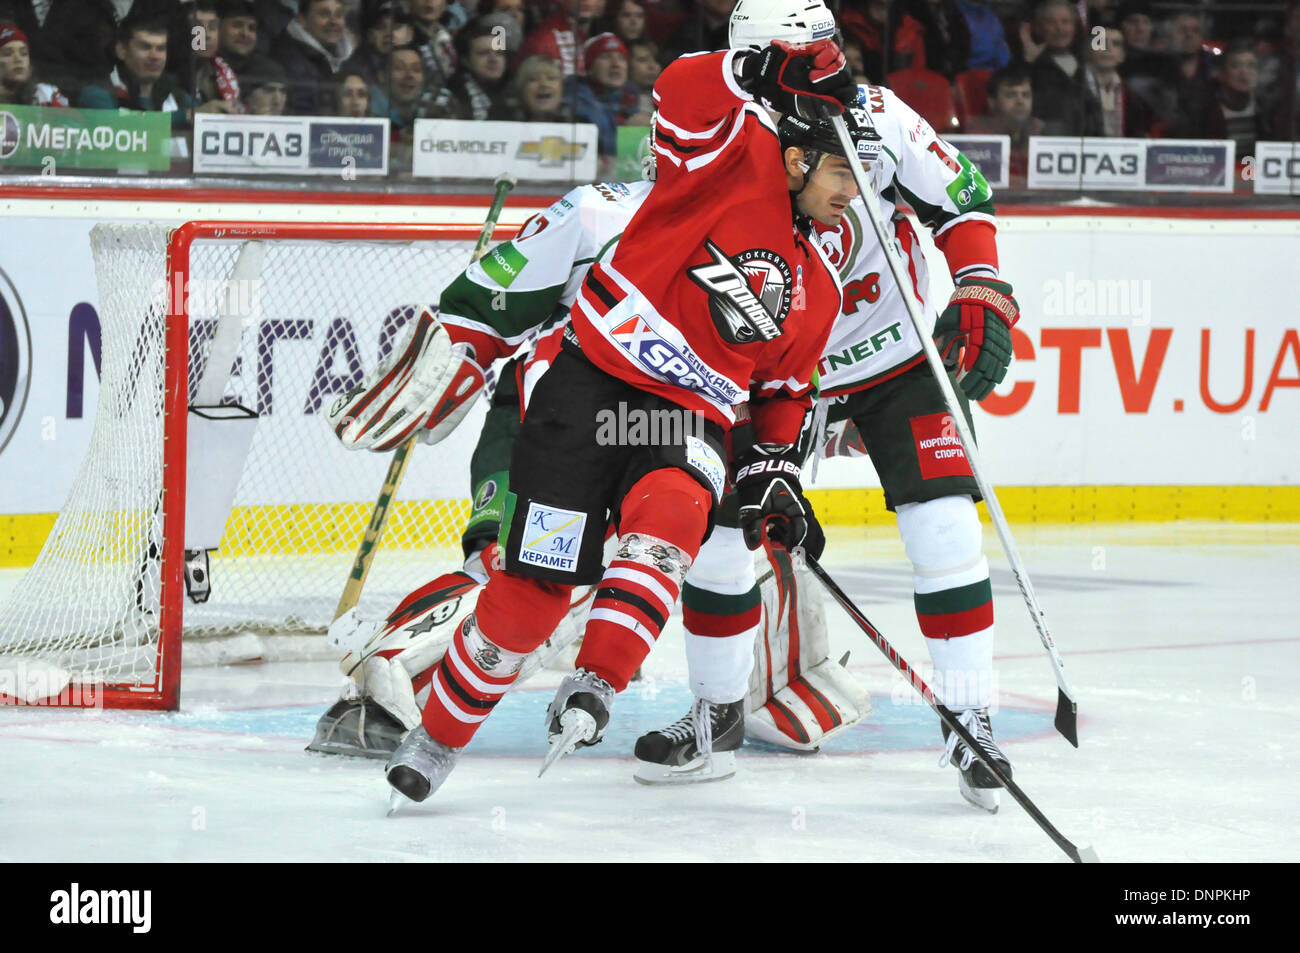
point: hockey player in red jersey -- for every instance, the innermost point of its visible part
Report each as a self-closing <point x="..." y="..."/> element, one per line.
<point x="714" y="296"/>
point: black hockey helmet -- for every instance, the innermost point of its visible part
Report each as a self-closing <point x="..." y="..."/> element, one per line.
<point x="818" y="138"/>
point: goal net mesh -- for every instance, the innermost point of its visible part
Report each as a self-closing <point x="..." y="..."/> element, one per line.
<point x="316" y="317"/>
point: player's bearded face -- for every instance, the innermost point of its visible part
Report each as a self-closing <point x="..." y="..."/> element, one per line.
<point x="828" y="191"/>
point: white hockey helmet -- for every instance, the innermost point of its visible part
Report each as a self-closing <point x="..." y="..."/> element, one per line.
<point x="756" y="23"/>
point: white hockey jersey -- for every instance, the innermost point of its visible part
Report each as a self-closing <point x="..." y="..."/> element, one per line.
<point x="520" y="292"/>
<point x="873" y="339"/>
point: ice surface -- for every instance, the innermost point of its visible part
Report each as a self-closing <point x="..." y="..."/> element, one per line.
<point x="1181" y="640"/>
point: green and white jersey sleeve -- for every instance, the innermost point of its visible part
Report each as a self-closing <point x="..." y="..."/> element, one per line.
<point x="873" y="338"/>
<point x="529" y="282"/>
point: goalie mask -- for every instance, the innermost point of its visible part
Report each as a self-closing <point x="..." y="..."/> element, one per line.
<point x="425" y="390"/>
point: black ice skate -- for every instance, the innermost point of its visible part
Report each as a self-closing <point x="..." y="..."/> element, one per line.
<point x="699" y="746"/>
<point x="578" y="715"/>
<point x="977" y="783"/>
<point x="419" y="766"/>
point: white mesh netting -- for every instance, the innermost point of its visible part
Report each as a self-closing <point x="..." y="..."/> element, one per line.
<point x="318" y="315"/>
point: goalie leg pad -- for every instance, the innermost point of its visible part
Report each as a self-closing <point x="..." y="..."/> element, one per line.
<point x="814" y="707"/>
<point x="954" y="600"/>
<point x="798" y="697"/>
<point x="416" y="633"/>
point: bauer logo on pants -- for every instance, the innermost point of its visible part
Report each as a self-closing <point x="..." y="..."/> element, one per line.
<point x="552" y="537"/>
<point x="938" y="448"/>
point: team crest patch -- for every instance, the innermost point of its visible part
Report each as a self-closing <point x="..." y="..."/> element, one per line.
<point x="705" y="460"/>
<point x="552" y="537"/>
<point x="749" y="293"/>
<point x="842" y="243"/>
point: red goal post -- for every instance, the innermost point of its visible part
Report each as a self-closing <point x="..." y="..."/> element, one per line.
<point x="98" y="620"/>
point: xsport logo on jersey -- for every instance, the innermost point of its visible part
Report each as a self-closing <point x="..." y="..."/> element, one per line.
<point x="15" y="359"/>
<point x="680" y="366"/>
<point x="749" y="293"/>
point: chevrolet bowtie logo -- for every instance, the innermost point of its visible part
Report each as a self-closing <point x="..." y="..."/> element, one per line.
<point x="552" y="150"/>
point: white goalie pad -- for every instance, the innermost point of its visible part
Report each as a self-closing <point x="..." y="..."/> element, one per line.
<point x="217" y="442"/>
<point x="426" y="388"/>
<point x="390" y="660"/>
<point x="798" y="697"/>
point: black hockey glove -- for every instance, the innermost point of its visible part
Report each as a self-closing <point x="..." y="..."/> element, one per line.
<point x="810" y="80"/>
<point x="767" y="488"/>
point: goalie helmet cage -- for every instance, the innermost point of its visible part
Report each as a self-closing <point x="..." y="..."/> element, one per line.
<point x="98" y="619"/>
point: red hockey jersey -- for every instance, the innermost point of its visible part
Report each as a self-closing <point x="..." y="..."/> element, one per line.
<point x="713" y="296"/>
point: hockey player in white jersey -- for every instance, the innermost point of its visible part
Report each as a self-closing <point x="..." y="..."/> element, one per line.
<point x="874" y="377"/>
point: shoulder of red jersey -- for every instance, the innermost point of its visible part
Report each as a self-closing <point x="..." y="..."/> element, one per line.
<point x="700" y="109"/>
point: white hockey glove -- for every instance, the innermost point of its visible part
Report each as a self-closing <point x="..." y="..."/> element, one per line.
<point x="426" y="389"/>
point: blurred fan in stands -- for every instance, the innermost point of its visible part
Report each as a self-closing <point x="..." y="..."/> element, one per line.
<point x="537" y="92"/>
<point x="18" y="83"/>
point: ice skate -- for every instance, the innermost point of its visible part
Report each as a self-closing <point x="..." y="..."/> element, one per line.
<point x="420" y="765"/>
<point x="699" y="746"/>
<point x="976" y="782"/>
<point x="578" y="715"/>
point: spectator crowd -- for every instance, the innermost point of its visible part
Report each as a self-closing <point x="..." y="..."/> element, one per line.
<point x="1016" y="67"/>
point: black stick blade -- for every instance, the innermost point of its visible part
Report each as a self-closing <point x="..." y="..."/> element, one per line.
<point x="1067" y="718"/>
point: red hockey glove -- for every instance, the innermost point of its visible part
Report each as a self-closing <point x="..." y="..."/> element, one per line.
<point x="974" y="334"/>
<point x="811" y="80"/>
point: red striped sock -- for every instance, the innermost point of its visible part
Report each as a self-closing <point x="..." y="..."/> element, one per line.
<point x="466" y="686"/>
<point x="632" y="605"/>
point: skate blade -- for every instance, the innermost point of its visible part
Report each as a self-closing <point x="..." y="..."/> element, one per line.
<point x="696" y="772"/>
<point x="986" y="799"/>
<point x="576" y="726"/>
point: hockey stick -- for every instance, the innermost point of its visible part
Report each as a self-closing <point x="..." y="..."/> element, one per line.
<point x="1066" y="707"/>
<point x="1076" y="854"/>
<point x="402" y="456"/>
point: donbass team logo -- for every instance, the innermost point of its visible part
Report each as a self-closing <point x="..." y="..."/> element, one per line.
<point x="749" y="294"/>
<point x="15" y="359"/>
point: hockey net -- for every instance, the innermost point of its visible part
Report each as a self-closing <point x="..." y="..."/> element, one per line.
<point x="99" y="617"/>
